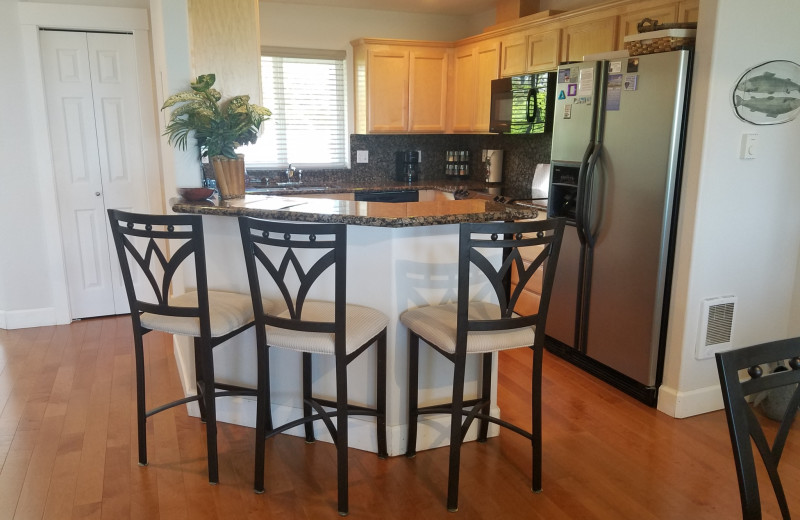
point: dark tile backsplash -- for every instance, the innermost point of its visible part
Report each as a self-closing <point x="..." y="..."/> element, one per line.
<point x="521" y="155"/>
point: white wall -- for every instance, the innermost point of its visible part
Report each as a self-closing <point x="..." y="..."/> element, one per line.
<point x="24" y="281"/>
<point x="740" y="224"/>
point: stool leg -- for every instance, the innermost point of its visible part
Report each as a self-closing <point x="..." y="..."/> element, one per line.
<point x="211" y="411"/>
<point x="307" y="411"/>
<point x="536" y="419"/>
<point x="141" y="409"/>
<point x="341" y="433"/>
<point x="198" y="375"/>
<point x="486" y="395"/>
<point x="263" y="414"/>
<point x="381" y="393"/>
<point x="455" y="432"/>
<point x="413" y="393"/>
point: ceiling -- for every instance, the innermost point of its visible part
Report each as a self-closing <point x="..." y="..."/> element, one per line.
<point x="446" y="7"/>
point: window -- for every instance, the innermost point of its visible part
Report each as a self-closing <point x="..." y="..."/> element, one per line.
<point x="304" y="89"/>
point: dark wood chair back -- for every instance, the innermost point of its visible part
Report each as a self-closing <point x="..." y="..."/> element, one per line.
<point x="743" y="422"/>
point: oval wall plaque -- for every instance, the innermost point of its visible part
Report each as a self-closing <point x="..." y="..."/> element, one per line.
<point x="768" y="94"/>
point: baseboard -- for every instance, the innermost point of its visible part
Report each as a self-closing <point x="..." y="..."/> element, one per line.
<point x="28" y="318"/>
<point x="686" y="404"/>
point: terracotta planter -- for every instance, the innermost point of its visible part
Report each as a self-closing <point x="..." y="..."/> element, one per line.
<point x="230" y="176"/>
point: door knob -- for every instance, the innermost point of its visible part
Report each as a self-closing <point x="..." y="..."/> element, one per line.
<point x="97" y="194"/>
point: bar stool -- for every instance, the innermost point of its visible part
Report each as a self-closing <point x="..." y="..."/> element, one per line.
<point x="457" y="329"/>
<point x="210" y="317"/>
<point x="779" y="384"/>
<point x="293" y="257"/>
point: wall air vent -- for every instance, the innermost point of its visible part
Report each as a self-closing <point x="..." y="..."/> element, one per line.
<point x="716" y="326"/>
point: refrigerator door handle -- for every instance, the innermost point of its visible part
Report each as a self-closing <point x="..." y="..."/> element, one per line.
<point x="533" y="94"/>
<point x="591" y="235"/>
<point x="590" y="201"/>
<point x="580" y="201"/>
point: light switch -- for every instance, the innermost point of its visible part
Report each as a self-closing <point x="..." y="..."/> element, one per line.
<point x="749" y="147"/>
<point x="362" y="156"/>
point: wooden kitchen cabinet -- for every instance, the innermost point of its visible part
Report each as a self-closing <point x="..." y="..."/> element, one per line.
<point x="628" y="21"/>
<point x="427" y="102"/>
<point x="387" y="90"/>
<point x="463" y="91"/>
<point x="543" y="47"/>
<point x="474" y="68"/>
<point x="400" y="88"/>
<point x="588" y="37"/>
<point x="513" y="54"/>
<point x="688" y="10"/>
<point x="529" y="51"/>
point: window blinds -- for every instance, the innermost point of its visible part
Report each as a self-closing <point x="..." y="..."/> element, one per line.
<point x="305" y="91"/>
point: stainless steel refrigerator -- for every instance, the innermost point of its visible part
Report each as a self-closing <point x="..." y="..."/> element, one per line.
<point x="616" y="161"/>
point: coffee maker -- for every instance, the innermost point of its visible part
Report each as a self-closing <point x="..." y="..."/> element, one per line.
<point x="407" y="166"/>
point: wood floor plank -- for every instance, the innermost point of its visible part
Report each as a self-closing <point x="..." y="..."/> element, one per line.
<point x="68" y="449"/>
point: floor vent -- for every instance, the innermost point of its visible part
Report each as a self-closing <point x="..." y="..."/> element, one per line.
<point x="716" y="326"/>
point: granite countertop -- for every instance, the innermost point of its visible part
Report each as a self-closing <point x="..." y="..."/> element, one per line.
<point x="291" y="205"/>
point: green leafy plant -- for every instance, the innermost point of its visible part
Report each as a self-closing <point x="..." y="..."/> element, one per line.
<point x="219" y="126"/>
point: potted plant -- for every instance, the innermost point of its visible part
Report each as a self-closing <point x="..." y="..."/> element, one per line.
<point x="219" y="128"/>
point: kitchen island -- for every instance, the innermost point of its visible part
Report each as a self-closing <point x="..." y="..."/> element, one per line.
<point x="400" y="255"/>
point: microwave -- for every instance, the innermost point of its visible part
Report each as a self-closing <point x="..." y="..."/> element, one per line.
<point x="523" y="104"/>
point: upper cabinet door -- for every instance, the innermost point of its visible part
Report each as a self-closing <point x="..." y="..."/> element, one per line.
<point x="463" y="90"/>
<point x="688" y="10"/>
<point x="513" y="54"/>
<point x="580" y="39"/>
<point x="543" y="50"/>
<point x="629" y="21"/>
<point x="428" y="90"/>
<point x="487" y="61"/>
<point x="387" y="90"/>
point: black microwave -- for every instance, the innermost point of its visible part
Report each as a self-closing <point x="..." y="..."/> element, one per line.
<point x="523" y="104"/>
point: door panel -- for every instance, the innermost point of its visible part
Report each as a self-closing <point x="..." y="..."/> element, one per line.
<point x="76" y="164"/>
<point x="387" y="90"/>
<point x="636" y="176"/>
<point x="464" y="89"/>
<point x="428" y="91"/>
<point x="95" y="132"/>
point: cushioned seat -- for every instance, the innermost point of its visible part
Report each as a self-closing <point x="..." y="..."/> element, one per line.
<point x="227" y="312"/>
<point x="437" y="325"/>
<point x="363" y="324"/>
<point x="488" y="255"/>
<point x="210" y="317"/>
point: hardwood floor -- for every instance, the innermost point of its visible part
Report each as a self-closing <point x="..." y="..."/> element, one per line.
<point x="68" y="449"/>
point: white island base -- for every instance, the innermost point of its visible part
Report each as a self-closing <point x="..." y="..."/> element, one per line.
<point x="389" y="269"/>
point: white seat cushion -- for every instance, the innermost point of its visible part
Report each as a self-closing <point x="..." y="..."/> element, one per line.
<point x="363" y="323"/>
<point x="227" y="312"/>
<point x="436" y="324"/>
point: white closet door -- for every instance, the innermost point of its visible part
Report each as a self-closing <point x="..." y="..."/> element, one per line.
<point x="93" y="112"/>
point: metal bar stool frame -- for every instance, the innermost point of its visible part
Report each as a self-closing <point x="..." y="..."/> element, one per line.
<point x="508" y="236"/>
<point x="331" y="240"/>
<point x="187" y="229"/>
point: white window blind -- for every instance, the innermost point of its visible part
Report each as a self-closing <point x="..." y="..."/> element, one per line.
<point x="305" y="90"/>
